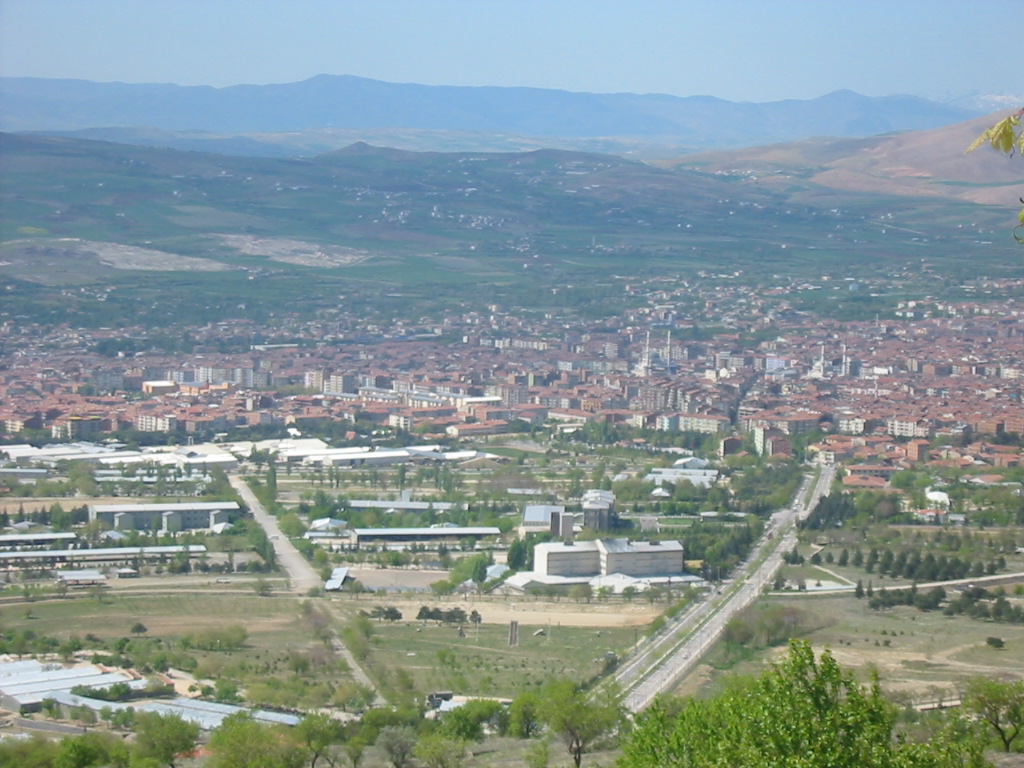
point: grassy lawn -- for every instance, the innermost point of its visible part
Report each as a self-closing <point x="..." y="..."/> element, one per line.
<point x="482" y="663"/>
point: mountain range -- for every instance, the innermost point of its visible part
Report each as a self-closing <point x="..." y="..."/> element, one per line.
<point x="327" y="111"/>
<point x="113" y="229"/>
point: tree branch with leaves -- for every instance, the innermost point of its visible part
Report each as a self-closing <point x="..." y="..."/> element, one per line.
<point x="1007" y="137"/>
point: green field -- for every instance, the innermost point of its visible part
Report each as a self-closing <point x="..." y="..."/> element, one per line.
<point x="436" y="658"/>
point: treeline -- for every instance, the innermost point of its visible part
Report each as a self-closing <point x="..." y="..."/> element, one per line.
<point x="978" y="603"/>
<point x="910" y="564"/>
<point x="974" y="602"/>
<point x="887" y="598"/>
<point x="721" y="547"/>
<point x="830" y="512"/>
<point x="448" y="616"/>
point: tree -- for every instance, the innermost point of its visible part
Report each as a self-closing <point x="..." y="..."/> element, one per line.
<point x="466" y="723"/>
<point x="999" y="704"/>
<point x="242" y="742"/>
<point x="163" y="737"/>
<point x="397" y="743"/>
<point x="801" y="712"/>
<point x="318" y="733"/>
<point x="138" y="628"/>
<point x="577" y="720"/>
<point x="479" y="571"/>
<point x="524" y="715"/>
<point x="1007" y="137"/>
<point x="436" y="750"/>
<point x="91" y="749"/>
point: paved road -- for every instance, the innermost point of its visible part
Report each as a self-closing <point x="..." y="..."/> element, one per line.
<point x="659" y="665"/>
<point x="48" y="726"/>
<point x="301" y="575"/>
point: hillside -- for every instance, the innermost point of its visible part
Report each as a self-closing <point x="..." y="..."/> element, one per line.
<point x="929" y="163"/>
<point x="218" y="234"/>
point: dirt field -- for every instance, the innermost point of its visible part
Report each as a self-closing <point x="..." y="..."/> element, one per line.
<point x="296" y="251"/>
<point x="546" y="613"/>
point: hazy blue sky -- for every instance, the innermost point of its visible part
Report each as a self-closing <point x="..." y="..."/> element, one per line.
<point x="752" y="50"/>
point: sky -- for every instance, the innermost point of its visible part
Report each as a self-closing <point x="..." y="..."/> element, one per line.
<point x="741" y="50"/>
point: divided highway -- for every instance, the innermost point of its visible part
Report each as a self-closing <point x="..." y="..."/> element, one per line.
<point x="662" y="661"/>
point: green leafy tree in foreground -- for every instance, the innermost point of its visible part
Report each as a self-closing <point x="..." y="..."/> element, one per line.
<point x="318" y="734"/>
<point x="1007" y="137"/>
<point x="578" y="719"/>
<point x="436" y="750"/>
<point x="397" y="743"/>
<point x="999" y="704"/>
<point x="162" y="738"/>
<point x="243" y="742"/>
<point x="803" y="712"/>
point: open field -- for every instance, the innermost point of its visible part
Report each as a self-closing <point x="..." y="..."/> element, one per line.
<point x="408" y="657"/>
<point x="481" y="662"/>
<point x="535" y="612"/>
<point x="271" y="623"/>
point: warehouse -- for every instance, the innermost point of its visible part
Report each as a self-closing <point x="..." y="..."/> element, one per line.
<point x="400" y="537"/>
<point x="104" y="555"/>
<point x="25" y="685"/>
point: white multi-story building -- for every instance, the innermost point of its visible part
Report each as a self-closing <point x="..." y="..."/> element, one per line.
<point x="604" y="557"/>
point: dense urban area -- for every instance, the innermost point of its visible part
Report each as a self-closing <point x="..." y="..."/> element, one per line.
<point x="356" y="518"/>
<point x="388" y="458"/>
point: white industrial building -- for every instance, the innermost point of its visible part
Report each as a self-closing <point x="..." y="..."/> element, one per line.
<point x="537" y="518"/>
<point x="604" y="557"/>
<point x="702" y="478"/>
<point x="24" y="685"/>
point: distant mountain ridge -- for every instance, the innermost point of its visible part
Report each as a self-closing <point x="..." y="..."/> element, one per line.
<point x="348" y="103"/>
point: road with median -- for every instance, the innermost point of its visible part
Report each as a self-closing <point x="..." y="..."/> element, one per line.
<point x="658" y="665"/>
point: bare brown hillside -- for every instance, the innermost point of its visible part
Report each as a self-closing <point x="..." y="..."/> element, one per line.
<point x="930" y="163"/>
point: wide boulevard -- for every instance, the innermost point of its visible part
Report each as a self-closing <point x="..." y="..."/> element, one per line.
<point x="659" y="664"/>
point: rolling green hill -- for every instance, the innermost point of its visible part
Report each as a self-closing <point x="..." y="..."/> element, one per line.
<point x="235" y="232"/>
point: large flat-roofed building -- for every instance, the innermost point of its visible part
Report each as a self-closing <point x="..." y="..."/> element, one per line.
<point x="167" y="518"/>
<point x="25" y="685"/>
<point x="607" y="556"/>
<point x="35" y="540"/>
<point x="556" y="558"/>
<point x="406" y="536"/>
<point x="108" y="555"/>
<point x="640" y="558"/>
<point x="537" y="518"/>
